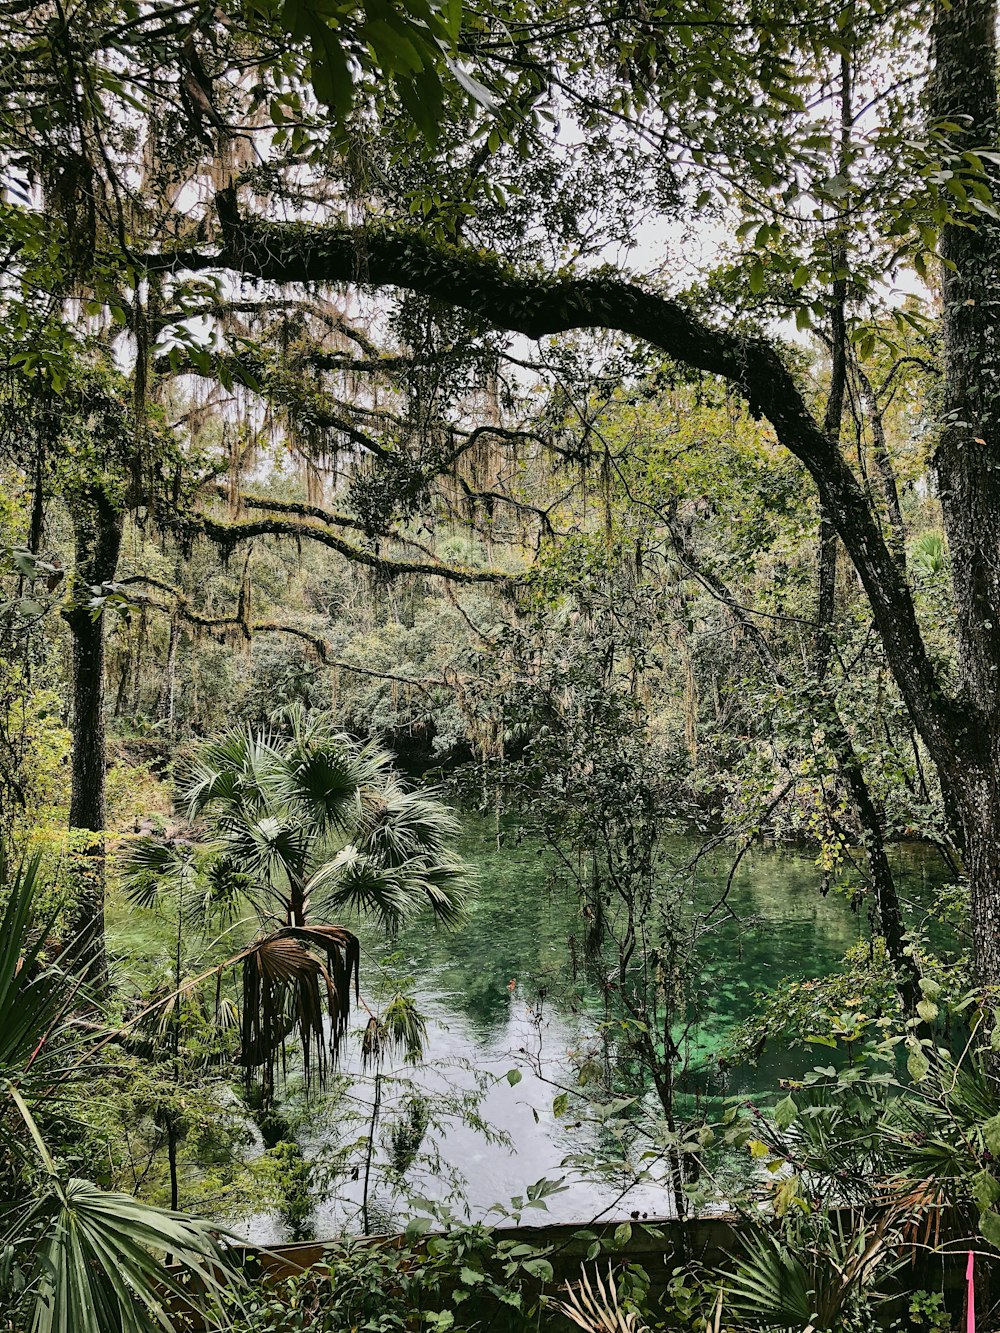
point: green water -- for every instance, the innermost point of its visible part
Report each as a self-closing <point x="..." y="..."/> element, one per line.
<point x="523" y="915"/>
<point x="480" y="987"/>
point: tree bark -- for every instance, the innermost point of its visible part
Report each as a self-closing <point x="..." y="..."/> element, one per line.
<point x="165" y="704"/>
<point x="97" y="530"/>
<point x="896" y="533"/>
<point x="964" y="93"/>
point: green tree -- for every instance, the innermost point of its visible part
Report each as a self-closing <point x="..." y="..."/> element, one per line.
<point x="939" y="184"/>
<point x="300" y="828"/>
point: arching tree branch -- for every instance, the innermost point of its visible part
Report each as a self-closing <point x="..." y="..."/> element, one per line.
<point x="301" y="508"/>
<point x="228" y="535"/>
<point x="537" y="306"/>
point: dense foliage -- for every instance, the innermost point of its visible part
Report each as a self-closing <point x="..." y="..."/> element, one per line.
<point x="581" y="414"/>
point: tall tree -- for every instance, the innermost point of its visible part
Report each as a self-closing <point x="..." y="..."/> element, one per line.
<point x="960" y="726"/>
<point x="741" y="130"/>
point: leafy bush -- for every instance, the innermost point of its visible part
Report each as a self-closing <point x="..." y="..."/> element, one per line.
<point x="445" y="1283"/>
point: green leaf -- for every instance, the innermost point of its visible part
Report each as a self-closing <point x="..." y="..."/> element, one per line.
<point x="514" y="1077"/>
<point x="786" y="1194"/>
<point x="989" y="1226"/>
<point x="985" y="1189"/>
<point x="393" y="47"/>
<point x="917" y="1064"/>
<point x="757" y="277"/>
<point x="785" y="1112"/>
<point x="623" y="1233"/>
<point x="540" y="1268"/>
<point x="560" y="1103"/>
<point x="991" y="1135"/>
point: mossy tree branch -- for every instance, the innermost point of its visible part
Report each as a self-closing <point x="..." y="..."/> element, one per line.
<point x="537" y="306"/>
<point x="180" y="605"/>
<point x="228" y="535"/>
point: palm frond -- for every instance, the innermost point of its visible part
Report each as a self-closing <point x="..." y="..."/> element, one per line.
<point x="266" y="848"/>
<point x="150" y="867"/>
<point x="35" y="993"/>
<point x="401" y="1030"/>
<point x="771" y="1284"/>
<point x="322" y="780"/>
<point x="226" y="886"/>
<point x="354" y="882"/>
<point x="446" y="882"/>
<point x="297" y="980"/>
<point x="397" y="824"/>
<point x="99" y="1264"/>
<point x="358" y="882"/>
<point x="807" y="1285"/>
<point x="237" y="772"/>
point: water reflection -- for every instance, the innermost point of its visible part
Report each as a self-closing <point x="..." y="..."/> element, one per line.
<point x="479" y="988"/>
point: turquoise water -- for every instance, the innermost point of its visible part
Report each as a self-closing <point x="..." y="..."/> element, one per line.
<point x="523" y="915"/>
<point x="500" y="995"/>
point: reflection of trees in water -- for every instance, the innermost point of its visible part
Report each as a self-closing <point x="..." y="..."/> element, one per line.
<point x="526" y="926"/>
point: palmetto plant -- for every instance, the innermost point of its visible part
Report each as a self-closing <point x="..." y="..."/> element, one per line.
<point x="74" y="1258"/>
<point x="302" y="828"/>
<point x="809" y="1282"/>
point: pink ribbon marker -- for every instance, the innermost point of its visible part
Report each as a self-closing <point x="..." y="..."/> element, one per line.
<point x="969" y="1271"/>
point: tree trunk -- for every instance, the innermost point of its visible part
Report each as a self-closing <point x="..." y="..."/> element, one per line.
<point x="97" y="529"/>
<point x="964" y="92"/>
<point x="168" y="685"/>
<point x="975" y="794"/>
<point x="896" y="530"/>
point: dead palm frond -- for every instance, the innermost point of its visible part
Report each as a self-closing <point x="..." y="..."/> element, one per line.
<point x="297" y="980"/>
<point x="713" y="1323"/>
<point x="594" y="1306"/>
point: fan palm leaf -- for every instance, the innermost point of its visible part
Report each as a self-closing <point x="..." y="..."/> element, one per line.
<point x="93" y="1256"/>
<point x="353" y="882"/>
<point x="357" y="882"/>
<point x="809" y="1286"/>
<point x="270" y="849"/>
<point x="322" y="782"/>
<point x="771" y="1283"/>
<point x="237" y="772"/>
<point x="151" y="866"/>
<point x="85" y="1260"/>
<point x="397" y="824"/>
